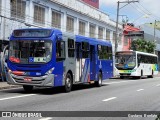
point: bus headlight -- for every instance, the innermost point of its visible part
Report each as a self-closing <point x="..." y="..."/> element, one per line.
<point x="49" y="71"/>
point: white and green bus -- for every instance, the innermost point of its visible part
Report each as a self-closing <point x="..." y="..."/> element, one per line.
<point x="136" y="64"/>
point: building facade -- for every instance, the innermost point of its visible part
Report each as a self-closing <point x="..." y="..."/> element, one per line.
<point x="74" y="16"/>
<point x="130" y="33"/>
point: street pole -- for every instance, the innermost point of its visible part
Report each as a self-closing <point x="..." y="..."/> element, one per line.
<point x="155" y="30"/>
<point x="117" y="20"/>
<point x="116" y="41"/>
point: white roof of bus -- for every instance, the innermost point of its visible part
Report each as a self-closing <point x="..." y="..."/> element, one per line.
<point x="144" y="53"/>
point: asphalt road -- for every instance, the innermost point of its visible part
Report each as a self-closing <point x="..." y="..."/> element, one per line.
<point x="114" y="95"/>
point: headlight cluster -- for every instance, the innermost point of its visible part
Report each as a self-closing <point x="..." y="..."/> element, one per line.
<point x="49" y="71"/>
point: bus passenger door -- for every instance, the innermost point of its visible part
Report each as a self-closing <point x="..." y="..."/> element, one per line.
<point x="78" y="63"/>
<point x="92" y="62"/>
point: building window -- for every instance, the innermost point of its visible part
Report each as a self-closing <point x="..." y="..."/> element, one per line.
<point x="56" y="19"/>
<point x="92" y="29"/>
<point x="39" y="14"/>
<point x="114" y="36"/>
<point x="100" y="33"/>
<point x="107" y="34"/>
<point x="70" y="24"/>
<point x="18" y="9"/>
<point x="82" y="27"/>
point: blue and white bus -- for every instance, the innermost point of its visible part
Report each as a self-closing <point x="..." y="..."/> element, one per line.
<point x="50" y="58"/>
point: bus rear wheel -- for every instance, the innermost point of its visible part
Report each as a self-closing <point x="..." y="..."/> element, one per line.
<point x="122" y="77"/>
<point x="151" y="76"/>
<point x="28" y="88"/>
<point x="68" y="83"/>
<point x="99" y="82"/>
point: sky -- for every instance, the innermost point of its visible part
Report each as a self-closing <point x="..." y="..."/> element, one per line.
<point x="144" y="11"/>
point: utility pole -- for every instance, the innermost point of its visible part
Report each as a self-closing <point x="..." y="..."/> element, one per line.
<point x="118" y="8"/>
<point x="155" y="31"/>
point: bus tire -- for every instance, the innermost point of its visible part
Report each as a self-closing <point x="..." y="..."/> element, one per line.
<point x="68" y="83"/>
<point x="122" y="77"/>
<point x="151" y="76"/>
<point x="28" y="88"/>
<point x="140" y="77"/>
<point x="99" y="82"/>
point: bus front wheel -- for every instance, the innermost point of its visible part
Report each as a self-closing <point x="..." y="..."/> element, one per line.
<point x="27" y="88"/>
<point x="140" y="77"/>
<point x="68" y="83"/>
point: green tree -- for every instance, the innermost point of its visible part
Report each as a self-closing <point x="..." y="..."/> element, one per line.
<point x="143" y="46"/>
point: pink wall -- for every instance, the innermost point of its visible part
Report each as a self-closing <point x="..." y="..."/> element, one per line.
<point x="126" y="29"/>
<point x="94" y="3"/>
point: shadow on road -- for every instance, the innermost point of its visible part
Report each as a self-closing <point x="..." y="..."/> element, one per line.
<point x="130" y="78"/>
<point x="51" y="91"/>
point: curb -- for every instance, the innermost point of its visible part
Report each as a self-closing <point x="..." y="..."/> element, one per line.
<point x="9" y="86"/>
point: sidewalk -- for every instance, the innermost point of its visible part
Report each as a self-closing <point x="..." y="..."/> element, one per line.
<point x="158" y="75"/>
<point x="5" y="85"/>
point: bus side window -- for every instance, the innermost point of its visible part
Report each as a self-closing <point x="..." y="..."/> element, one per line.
<point x="60" y="51"/>
<point x="110" y="53"/>
<point x="139" y="59"/>
<point x="85" y="49"/>
<point x="99" y="48"/>
<point x="71" y="48"/>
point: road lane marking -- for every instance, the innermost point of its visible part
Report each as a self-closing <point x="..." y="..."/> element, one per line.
<point x="158" y="85"/>
<point x="114" y="82"/>
<point x="140" y="90"/>
<point x="109" y="99"/>
<point x="7" y="98"/>
<point x="48" y="118"/>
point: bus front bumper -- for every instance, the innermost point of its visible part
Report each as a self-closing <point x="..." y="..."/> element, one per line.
<point x="41" y="81"/>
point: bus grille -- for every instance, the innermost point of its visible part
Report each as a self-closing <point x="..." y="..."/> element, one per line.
<point x="33" y="81"/>
<point x="128" y="74"/>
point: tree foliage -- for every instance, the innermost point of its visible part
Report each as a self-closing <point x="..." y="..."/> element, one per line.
<point x="143" y="46"/>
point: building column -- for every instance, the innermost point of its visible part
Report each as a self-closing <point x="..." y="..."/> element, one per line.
<point x="76" y="26"/>
<point x="48" y="17"/>
<point x="87" y="29"/>
<point x="64" y="21"/>
<point x="31" y="12"/>
<point x="104" y="33"/>
<point x="96" y="31"/>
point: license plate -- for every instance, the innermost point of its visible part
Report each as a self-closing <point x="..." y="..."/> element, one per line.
<point x="27" y="79"/>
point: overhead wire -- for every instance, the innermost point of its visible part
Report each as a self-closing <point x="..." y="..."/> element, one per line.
<point x="141" y="12"/>
<point x="148" y="11"/>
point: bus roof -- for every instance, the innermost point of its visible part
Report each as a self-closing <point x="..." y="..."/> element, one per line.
<point x="78" y="38"/>
<point x="92" y="41"/>
<point x="34" y="32"/>
<point x="144" y="53"/>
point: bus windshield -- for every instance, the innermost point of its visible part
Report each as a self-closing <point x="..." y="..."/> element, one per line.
<point x="125" y="61"/>
<point x="30" y="51"/>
